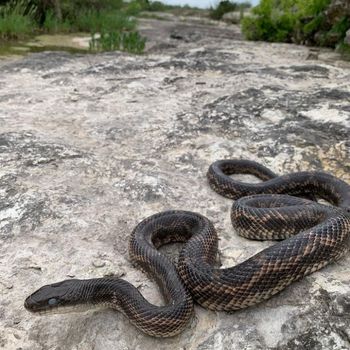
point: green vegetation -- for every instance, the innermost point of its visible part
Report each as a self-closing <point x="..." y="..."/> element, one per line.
<point x="53" y="25"/>
<point x="158" y="6"/>
<point x="111" y="41"/>
<point x="94" y="21"/>
<point x="226" y="6"/>
<point x="155" y="6"/>
<point x="113" y="19"/>
<point x="16" y="19"/>
<point x="111" y="23"/>
<point x="298" y="21"/>
<point x="344" y="49"/>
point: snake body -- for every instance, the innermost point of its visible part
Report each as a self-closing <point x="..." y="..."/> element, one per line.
<point x="312" y="235"/>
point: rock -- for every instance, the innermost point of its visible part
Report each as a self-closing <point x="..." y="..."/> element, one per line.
<point x="313" y="54"/>
<point x="77" y="175"/>
<point x="98" y="263"/>
<point x="232" y="17"/>
<point x="337" y="10"/>
<point x="188" y="36"/>
<point x="347" y="38"/>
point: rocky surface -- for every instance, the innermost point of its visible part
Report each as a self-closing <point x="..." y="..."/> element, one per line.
<point x="90" y="145"/>
<point x="347" y="37"/>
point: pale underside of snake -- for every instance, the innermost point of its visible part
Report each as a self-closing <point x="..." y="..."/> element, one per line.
<point x="310" y="235"/>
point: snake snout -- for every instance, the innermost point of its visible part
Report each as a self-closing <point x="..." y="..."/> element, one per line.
<point x="49" y="297"/>
<point x="27" y="304"/>
<point x="31" y="304"/>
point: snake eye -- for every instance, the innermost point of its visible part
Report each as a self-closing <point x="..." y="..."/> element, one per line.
<point x="52" y="301"/>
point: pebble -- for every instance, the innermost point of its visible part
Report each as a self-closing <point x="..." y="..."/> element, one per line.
<point x="99" y="263"/>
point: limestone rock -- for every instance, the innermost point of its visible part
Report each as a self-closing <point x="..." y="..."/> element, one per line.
<point x="91" y="145"/>
<point x="232" y="17"/>
<point x="337" y="10"/>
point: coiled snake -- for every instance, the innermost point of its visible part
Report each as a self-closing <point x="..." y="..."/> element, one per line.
<point x="312" y="235"/>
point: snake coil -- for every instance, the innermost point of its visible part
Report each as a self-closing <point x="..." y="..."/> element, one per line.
<point x="311" y="236"/>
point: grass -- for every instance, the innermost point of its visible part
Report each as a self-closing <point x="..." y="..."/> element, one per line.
<point x="52" y="25"/>
<point x="122" y="41"/>
<point x="113" y="19"/>
<point x="15" y="26"/>
<point x="96" y="21"/>
<point x="16" y="20"/>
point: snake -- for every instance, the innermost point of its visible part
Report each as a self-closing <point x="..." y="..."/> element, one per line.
<point x="309" y="235"/>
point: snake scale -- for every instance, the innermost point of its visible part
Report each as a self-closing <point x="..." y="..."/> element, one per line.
<point x="310" y="235"/>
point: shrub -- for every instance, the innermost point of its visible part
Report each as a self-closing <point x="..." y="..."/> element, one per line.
<point x="155" y="6"/>
<point x="222" y="8"/>
<point x="297" y="21"/>
<point x="226" y="6"/>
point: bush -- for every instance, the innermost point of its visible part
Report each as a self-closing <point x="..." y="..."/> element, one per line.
<point x="222" y="8"/>
<point x="296" y="21"/>
<point x="226" y="6"/>
<point x="155" y="6"/>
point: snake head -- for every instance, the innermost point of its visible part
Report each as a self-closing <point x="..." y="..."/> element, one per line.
<point x="52" y="297"/>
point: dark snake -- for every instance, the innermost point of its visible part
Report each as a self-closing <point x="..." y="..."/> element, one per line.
<point x="311" y="235"/>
